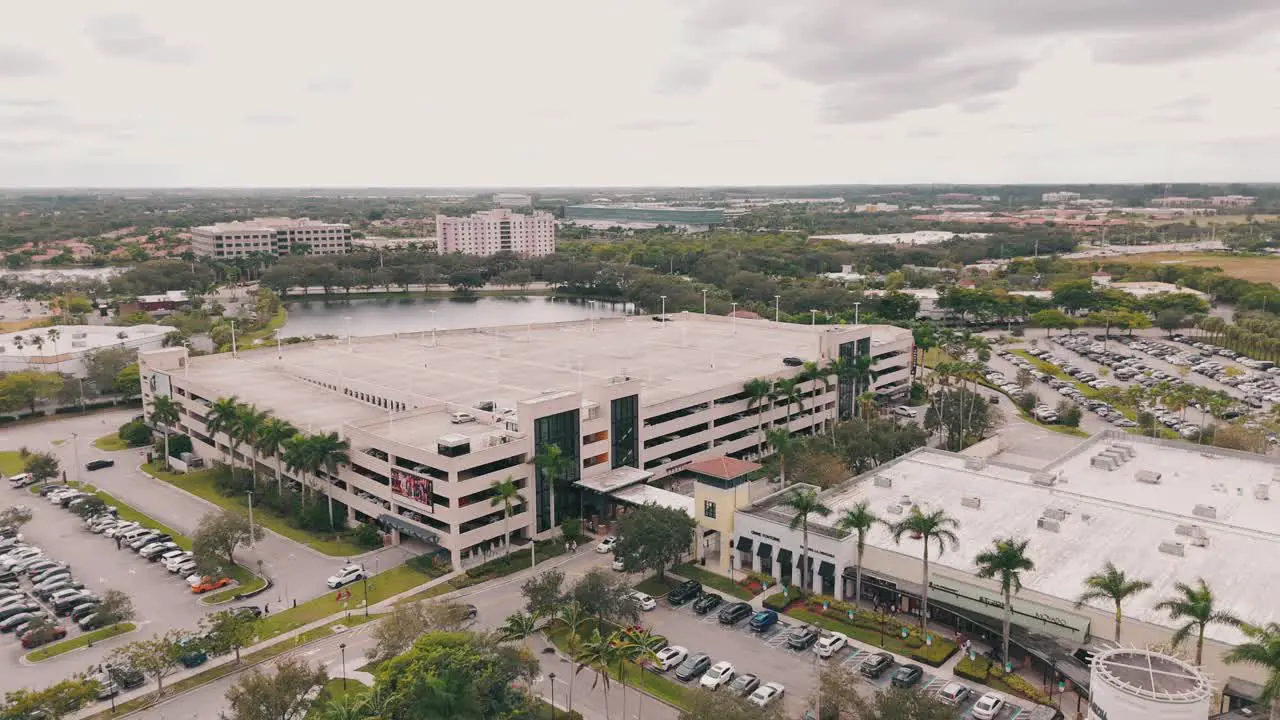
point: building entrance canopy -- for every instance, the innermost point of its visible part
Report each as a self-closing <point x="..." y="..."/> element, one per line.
<point x="408" y="528"/>
<point x="614" y="480"/>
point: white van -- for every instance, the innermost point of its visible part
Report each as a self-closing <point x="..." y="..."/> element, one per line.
<point x="21" y="480"/>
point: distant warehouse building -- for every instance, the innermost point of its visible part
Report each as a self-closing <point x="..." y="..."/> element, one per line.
<point x="493" y="231"/>
<point x="646" y="213"/>
<point x="276" y="236"/>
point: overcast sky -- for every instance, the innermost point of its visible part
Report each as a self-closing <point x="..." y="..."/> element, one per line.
<point x="631" y="92"/>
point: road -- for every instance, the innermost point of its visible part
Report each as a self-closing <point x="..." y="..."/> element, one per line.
<point x="297" y="571"/>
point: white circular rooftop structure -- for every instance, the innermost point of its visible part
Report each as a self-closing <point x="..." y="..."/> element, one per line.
<point x="1130" y="684"/>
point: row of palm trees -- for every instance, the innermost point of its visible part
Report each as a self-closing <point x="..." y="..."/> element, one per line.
<point x="599" y="652"/>
<point x="1005" y="561"/>
<point x="307" y="455"/>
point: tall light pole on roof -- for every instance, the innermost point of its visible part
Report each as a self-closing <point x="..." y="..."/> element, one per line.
<point x="664" y="309"/>
<point x="777" y="307"/>
<point x="704" y="302"/>
<point x="855" y="312"/>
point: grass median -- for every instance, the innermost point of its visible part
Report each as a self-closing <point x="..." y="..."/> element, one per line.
<point x="221" y="671"/>
<point x="84" y="640"/>
<point x="637" y="677"/>
<point x="381" y="586"/>
<point x="111" y="443"/>
<point x="11" y="463"/>
<point x="713" y="581"/>
<point x="202" y="484"/>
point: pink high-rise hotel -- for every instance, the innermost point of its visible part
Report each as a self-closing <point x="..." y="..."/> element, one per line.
<point x="493" y="231"/>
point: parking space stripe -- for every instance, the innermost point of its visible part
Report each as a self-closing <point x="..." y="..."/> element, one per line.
<point x="1016" y="712"/>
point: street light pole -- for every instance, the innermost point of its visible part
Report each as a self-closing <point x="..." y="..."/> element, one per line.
<point x="855" y="312"/>
<point x="250" y="494"/>
<point x="75" y="448"/>
<point x="347" y="318"/>
<point x="664" y="309"/>
<point x="704" y="301"/>
<point x="733" y="318"/>
<point x="777" y="305"/>
<point x="342" y="648"/>
<point x="813" y="317"/>
<point x="551" y="678"/>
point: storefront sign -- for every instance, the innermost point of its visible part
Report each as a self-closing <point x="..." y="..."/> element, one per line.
<point x="1030" y="615"/>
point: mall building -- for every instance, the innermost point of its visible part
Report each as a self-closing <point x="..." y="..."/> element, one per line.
<point x="434" y="418"/>
<point x="1163" y="511"/>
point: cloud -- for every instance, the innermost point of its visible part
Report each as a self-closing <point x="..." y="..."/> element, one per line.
<point x="26" y="103"/>
<point x="1190" y="109"/>
<point x="686" y="77"/>
<point x="871" y="61"/>
<point x="329" y="86"/>
<point x="650" y="125"/>
<point x="17" y="62"/>
<point x="123" y="36"/>
<point x="269" y="119"/>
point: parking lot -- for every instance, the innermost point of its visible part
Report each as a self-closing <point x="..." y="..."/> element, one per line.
<point x="767" y="655"/>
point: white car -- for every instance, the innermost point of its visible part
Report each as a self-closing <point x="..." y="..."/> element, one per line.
<point x="617" y="564"/>
<point x="766" y="694"/>
<point x="121" y="529"/>
<point x="171" y="563"/>
<point x="904" y="411"/>
<point x="345" y="576"/>
<point x="720" y="674"/>
<point x="953" y="694"/>
<point x="186" y="566"/>
<point x="172" y="554"/>
<point x="988" y="707"/>
<point x="606" y="545"/>
<point x="671" y="656"/>
<point x="829" y="645"/>
<point x="645" y="601"/>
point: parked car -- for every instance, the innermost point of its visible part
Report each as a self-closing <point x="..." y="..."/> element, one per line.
<point x="153" y="551"/>
<point x="988" y="707"/>
<point x="125" y="676"/>
<point x="645" y="601"/>
<point x="83" y="610"/>
<point x="254" y="612"/>
<point x="707" y="603"/>
<point x="763" y="620"/>
<point x="618" y="564"/>
<point x="766" y="694"/>
<point x="606" y="545"/>
<point x="92" y="621"/>
<point x="12" y="622"/>
<point x="953" y="694"/>
<point x="829" y="645"/>
<point x="734" y="613"/>
<point x="693" y="666"/>
<point x="21" y="480"/>
<point x="876" y="665"/>
<point x="671" y="656"/>
<point x="143" y="540"/>
<point x="906" y="676"/>
<point x="802" y="637"/>
<point x="718" y="675"/>
<point x="99" y="464"/>
<point x="904" y="411"/>
<point x="208" y="583"/>
<point x="40" y="636"/>
<point x="744" y="685"/>
<point x="684" y="592"/>
<point x="184" y="567"/>
<point x="345" y="576"/>
<point x="191" y="654"/>
<point x="173" y="561"/>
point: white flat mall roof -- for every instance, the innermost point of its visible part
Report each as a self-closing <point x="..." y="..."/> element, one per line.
<point x="1110" y="516"/>
<point x="645" y="494"/>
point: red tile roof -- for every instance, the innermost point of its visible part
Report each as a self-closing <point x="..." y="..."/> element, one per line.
<point x="725" y="468"/>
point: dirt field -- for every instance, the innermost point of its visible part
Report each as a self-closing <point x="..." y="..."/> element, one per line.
<point x="1204" y="220"/>
<point x="1257" y="269"/>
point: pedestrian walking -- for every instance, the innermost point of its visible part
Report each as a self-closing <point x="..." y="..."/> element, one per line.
<point x="117" y="542"/>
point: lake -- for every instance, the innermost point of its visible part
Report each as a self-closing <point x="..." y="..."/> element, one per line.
<point x="372" y="316"/>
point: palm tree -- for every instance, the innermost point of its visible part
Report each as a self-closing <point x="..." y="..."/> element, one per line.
<point x="1263" y="649"/>
<point x="757" y="392"/>
<point x="328" y="451"/>
<point x="20" y="342"/>
<point x="222" y="418"/>
<point x="642" y="644"/>
<point x="812" y="372"/>
<point x="38" y="343"/>
<point x="1006" y="560"/>
<point x="1111" y="583"/>
<point x="504" y="491"/>
<point x="842" y="369"/>
<point x="1196" y="605"/>
<point x="597" y="653"/>
<point x="805" y="502"/>
<point x="571" y="618"/>
<point x="861" y="375"/>
<point x="249" y="422"/>
<point x="295" y="452"/>
<point x="519" y="626"/>
<point x="165" y="412"/>
<point x="781" y="442"/>
<point x="554" y="466"/>
<point x="787" y="391"/>
<point x="53" y="338"/>
<point x="271" y="437"/>
<point x="858" y="519"/>
<point x="936" y="527"/>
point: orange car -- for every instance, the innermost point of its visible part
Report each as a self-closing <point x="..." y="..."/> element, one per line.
<point x="207" y="583"/>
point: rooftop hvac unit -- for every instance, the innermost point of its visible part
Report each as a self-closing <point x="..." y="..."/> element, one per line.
<point x="905" y="500"/>
<point x="1200" y="542"/>
<point x="1124" y="446"/>
<point x="1149" y="477"/>
<point x="1205" y="511"/>
<point x="79" y="343"/>
<point x="895" y="509"/>
<point x="1054" y="513"/>
<point x="971" y="501"/>
<point x="79" y="335"/>
<point x="1044" y="479"/>
<point x="1047" y="524"/>
<point x="1123" y="450"/>
<point x="1191" y="531"/>
<point x="1169" y="547"/>
<point x="883" y="481"/>
<point x="975" y="463"/>
<point x="1261" y="491"/>
<point x="1105" y="463"/>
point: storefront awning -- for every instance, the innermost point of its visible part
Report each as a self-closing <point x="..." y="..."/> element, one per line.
<point x="826" y="569"/>
<point x="800" y="562"/>
<point x="743" y="545"/>
<point x="765" y="550"/>
<point x="408" y="528"/>
<point x="784" y="557"/>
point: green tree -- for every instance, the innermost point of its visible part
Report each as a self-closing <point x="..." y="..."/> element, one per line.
<point x="1052" y="319"/>
<point x="1263" y="650"/>
<point x="605" y="597"/>
<point x="725" y="706"/>
<point x="858" y="519"/>
<point x="221" y="532"/>
<point x="52" y="703"/>
<point x="573" y="619"/>
<point x="128" y="382"/>
<point x="282" y="695"/>
<point x="652" y="537"/>
<point x="782" y="444"/>
<point x="503" y="493"/>
<point x="934" y="527"/>
<point x="222" y="418"/>
<point x="230" y="629"/>
<point x="805" y="502"/>
<point x="165" y="412"/>
<point x="598" y="652"/>
<point x="788" y="392"/>
<point x="328" y="451"/>
<point x="456" y="675"/>
<point x="271" y="438"/>
<point x="543" y="593"/>
<point x="115" y="607"/>
<point x="758" y="392"/>
<point x="1075" y="295"/>
<point x="157" y="658"/>
<point x="27" y="388"/>
<point x="1197" y="607"/>
<point x="1170" y="320"/>
<point x="249" y="425"/>
<point x="1112" y="584"/>
<point x="519" y="627"/>
<point x="42" y="467"/>
<point x="1006" y="560"/>
<point x="16" y="516"/>
<point x="554" y="466"/>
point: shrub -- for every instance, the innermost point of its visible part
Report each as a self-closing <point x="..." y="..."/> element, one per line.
<point x="779" y="601"/>
<point x="915" y="642"/>
<point x="367" y="536"/>
<point x="571" y="528"/>
<point x="135" y="434"/>
<point x="179" y="444"/>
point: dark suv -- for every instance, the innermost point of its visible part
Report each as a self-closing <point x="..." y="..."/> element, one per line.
<point x="734" y="613"/>
<point x="802" y="637"/>
<point x="693" y="666"/>
<point x="99" y="464"/>
<point x="684" y="592"/>
<point x="874" y="666"/>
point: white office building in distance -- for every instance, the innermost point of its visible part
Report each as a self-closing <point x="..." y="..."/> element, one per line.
<point x="493" y="231"/>
<point x="628" y="401"/>
<point x="511" y="200"/>
<point x="65" y="351"/>
<point x="277" y="236"/>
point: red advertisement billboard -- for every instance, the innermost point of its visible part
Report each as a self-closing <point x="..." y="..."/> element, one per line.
<point x="413" y="487"/>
